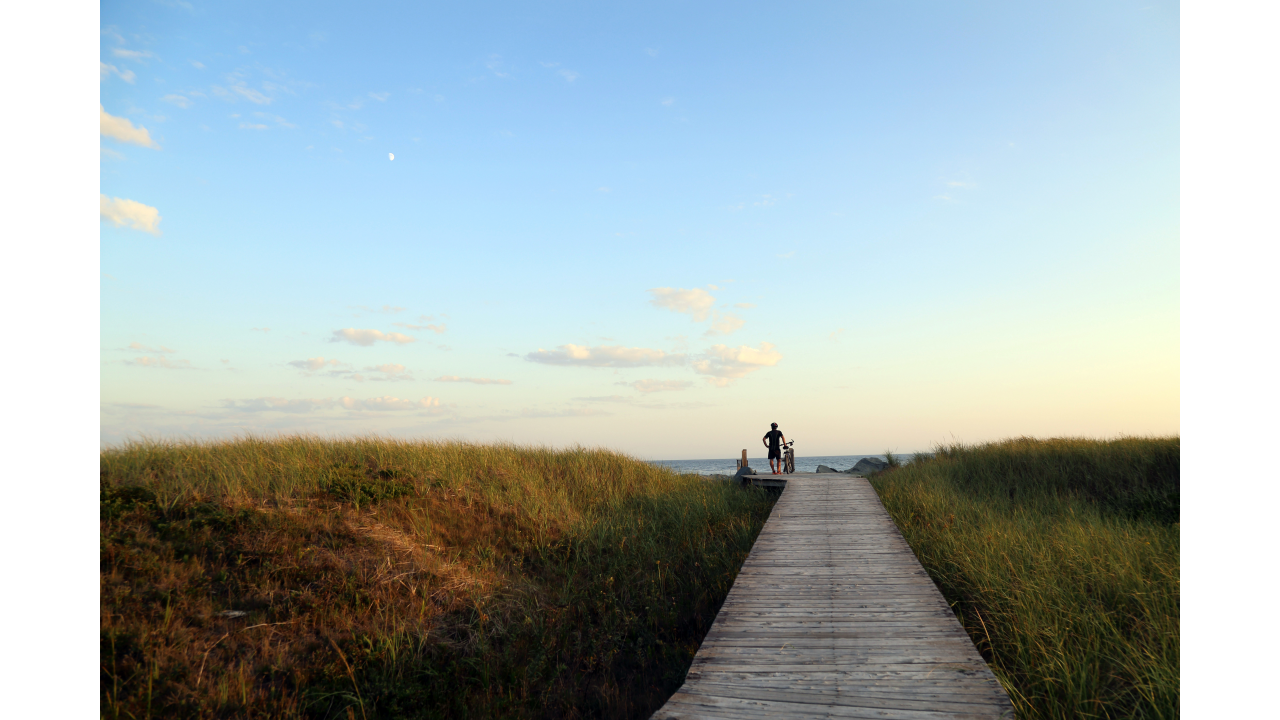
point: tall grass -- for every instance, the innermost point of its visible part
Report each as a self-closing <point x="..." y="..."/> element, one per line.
<point x="381" y="578"/>
<point x="1061" y="559"/>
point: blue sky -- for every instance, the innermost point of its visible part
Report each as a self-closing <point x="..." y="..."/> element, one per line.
<point x="656" y="228"/>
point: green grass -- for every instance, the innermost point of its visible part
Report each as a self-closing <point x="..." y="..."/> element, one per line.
<point x="1061" y="559"/>
<point x="380" y="578"/>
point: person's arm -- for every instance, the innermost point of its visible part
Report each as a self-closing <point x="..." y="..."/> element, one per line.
<point x="765" y="439"/>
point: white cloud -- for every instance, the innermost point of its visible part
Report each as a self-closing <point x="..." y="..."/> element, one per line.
<point x="651" y="52"/>
<point x="388" y="403"/>
<point x="380" y="97"/>
<point x="162" y="349"/>
<point x="131" y="54"/>
<point x="279" y="120"/>
<point x="391" y="372"/>
<point x="477" y="381"/>
<point x="960" y="184"/>
<point x="278" y="404"/>
<point x="197" y="64"/>
<point x="120" y="212"/>
<point x="604" y="356"/>
<point x="250" y="94"/>
<point x="652" y="386"/>
<point x="569" y="75"/>
<point x="123" y="130"/>
<point x="314" y="364"/>
<point x="696" y="302"/>
<point x="725" y="324"/>
<point x="252" y="126"/>
<point x="603" y="189"/>
<point x="725" y="364"/>
<point x="668" y="101"/>
<point x="495" y="66"/>
<point x="437" y="329"/>
<point x="125" y="75"/>
<point x="744" y="306"/>
<point x="178" y="100"/>
<point x="368" y="337"/>
<point x="160" y="361"/>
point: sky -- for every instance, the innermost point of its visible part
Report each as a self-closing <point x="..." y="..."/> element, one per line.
<point x="654" y="228"/>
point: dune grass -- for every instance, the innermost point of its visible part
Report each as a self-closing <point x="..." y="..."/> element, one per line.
<point x="363" y="578"/>
<point x="1061" y="559"/>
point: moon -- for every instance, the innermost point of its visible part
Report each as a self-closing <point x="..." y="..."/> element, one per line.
<point x="391" y="155"/>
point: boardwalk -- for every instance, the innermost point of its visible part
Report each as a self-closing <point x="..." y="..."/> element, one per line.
<point x="833" y="617"/>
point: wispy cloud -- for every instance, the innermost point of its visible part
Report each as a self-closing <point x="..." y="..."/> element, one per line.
<point x="387" y="403"/>
<point x="139" y="347"/>
<point x="380" y="96"/>
<point x="132" y="54"/>
<point x="604" y="356"/>
<point x="391" y="372"/>
<point x="437" y="329"/>
<point x="250" y="94"/>
<point x="179" y="100"/>
<point x="276" y="119"/>
<point x="724" y="324"/>
<point x="120" y="212"/>
<point x="160" y="361"/>
<point x="315" y="364"/>
<point x="474" y="380"/>
<point x="744" y="306"/>
<point x="568" y="75"/>
<point x="368" y="337"/>
<point x="495" y="66"/>
<point x="107" y="70"/>
<point x="121" y="129"/>
<point x="724" y="364"/>
<point x="279" y="404"/>
<point x="668" y="101"/>
<point x="653" y="386"/>
<point x="696" y="302"/>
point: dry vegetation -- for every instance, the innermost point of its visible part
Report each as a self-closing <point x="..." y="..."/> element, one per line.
<point x="302" y="577"/>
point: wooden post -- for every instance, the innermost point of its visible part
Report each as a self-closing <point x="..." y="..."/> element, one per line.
<point x="744" y="458"/>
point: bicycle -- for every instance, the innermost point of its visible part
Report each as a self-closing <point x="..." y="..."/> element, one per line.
<point x="788" y="457"/>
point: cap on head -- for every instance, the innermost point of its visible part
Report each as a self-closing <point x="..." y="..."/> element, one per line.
<point x="774" y="425"/>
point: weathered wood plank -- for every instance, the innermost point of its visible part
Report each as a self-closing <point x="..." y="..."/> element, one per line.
<point x="832" y="616"/>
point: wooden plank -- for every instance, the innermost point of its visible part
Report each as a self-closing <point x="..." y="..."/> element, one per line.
<point x="832" y="616"/>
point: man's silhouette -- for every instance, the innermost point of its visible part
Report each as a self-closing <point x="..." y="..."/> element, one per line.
<point x="773" y="440"/>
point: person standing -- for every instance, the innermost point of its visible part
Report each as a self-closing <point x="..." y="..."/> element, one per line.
<point x="774" y="440"/>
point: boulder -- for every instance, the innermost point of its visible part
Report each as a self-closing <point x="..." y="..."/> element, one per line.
<point x="868" y="465"/>
<point x="824" y="468"/>
<point x="745" y="470"/>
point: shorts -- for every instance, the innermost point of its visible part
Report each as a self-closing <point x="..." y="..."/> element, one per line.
<point x="775" y="454"/>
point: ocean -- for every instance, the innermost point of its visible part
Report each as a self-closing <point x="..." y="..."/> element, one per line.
<point x="761" y="464"/>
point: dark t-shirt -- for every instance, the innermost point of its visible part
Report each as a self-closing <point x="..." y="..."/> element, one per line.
<point x="775" y="439"/>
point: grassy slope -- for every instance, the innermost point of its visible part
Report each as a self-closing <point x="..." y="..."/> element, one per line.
<point x="393" y="579"/>
<point x="1061" y="559"/>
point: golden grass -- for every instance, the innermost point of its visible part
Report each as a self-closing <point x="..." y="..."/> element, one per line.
<point x="383" y="578"/>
